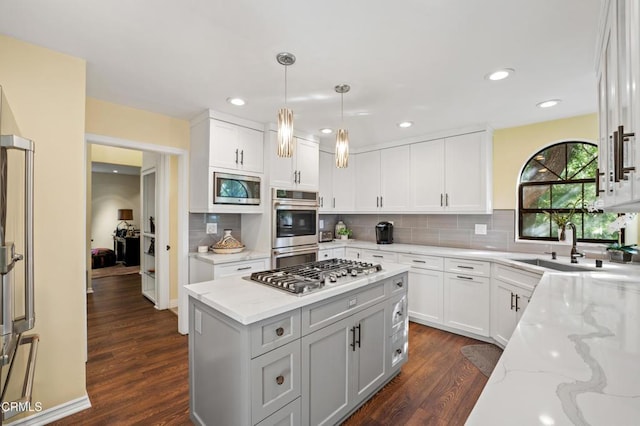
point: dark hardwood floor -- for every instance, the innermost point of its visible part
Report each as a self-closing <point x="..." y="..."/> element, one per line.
<point x="137" y="369"/>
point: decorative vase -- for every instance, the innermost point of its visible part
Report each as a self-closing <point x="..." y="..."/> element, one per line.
<point x="618" y="256"/>
<point x="344" y="237"/>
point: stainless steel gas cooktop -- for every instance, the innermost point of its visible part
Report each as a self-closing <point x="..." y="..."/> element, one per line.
<point x="307" y="277"/>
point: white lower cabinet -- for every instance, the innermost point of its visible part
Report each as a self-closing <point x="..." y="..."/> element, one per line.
<point x="378" y="256"/>
<point x="331" y="253"/>
<point x="511" y="291"/>
<point x="466" y="303"/>
<point x="426" y="286"/>
<point x="201" y="270"/>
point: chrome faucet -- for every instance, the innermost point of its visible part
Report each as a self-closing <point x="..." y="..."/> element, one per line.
<point x="574" y="252"/>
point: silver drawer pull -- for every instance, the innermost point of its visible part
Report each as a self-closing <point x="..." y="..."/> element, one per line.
<point x="419" y="261"/>
<point x="465" y="267"/>
<point x="399" y="284"/>
<point x="399" y="351"/>
<point x="464" y="278"/>
<point x="279" y="331"/>
<point x="377" y="255"/>
<point x="280" y="380"/>
<point x="243" y="268"/>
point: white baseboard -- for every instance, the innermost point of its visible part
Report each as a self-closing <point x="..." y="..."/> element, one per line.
<point x="173" y="303"/>
<point x="56" y="413"/>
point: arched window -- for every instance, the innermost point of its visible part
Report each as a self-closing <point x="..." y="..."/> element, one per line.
<point x="556" y="185"/>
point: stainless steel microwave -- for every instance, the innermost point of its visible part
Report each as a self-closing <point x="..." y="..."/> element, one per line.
<point x="235" y="189"/>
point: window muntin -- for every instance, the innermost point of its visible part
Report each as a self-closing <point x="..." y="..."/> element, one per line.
<point x="560" y="180"/>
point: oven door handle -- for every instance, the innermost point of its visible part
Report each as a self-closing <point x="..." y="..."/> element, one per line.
<point x="296" y="205"/>
<point x="294" y="251"/>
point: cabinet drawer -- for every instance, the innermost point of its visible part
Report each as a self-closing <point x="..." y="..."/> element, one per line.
<point x="468" y="267"/>
<point x="289" y="415"/>
<point x="275" y="378"/>
<point x="524" y="279"/>
<point x="399" y="318"/>
<point x="239" y="268"/>
<point x="273" y="332"/>
<point x="325" y="254"/>
<point x="352" y="253"/>
<point x="398" y="349"/>
<point x="397" y="285"/>
<point x="322" y="314"/>
<point x="379" y="256"/>
<point x="422" y="262"/>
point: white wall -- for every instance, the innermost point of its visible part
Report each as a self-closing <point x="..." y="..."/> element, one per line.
<point x="110" y="192"/>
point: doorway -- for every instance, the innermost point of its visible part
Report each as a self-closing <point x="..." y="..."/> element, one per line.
<point x="170" y="220"/>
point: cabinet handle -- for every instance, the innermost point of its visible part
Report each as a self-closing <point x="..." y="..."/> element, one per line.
<point x="616" y="157"/>
<point x="381" y="201"/>
<point x="399" y="284"/>
<point x="299" y="176"/>
<point x="359" y="327"/>
<point x="334" y="202"/>
<point x="242" y="157"/>
<point x="236" y="156"/>
<point x="377" y="201"/>
<point x="622" y="138"/>
<point x="517" y="307"/>
<point x="399" y="351"/>
<point x="419" y="261"/>
<point x="321" y="202"/>
<point x="243" y="268"/>
<point x="377" y="255"/>
<point x="446" y="200"/>
<point x="353" y="339"/>
<point x="279" y="331"/>
<point x="441" y="202"/>
<point x="465" y="267"/>
<point x="598" y="190"/>
<point x="462" y="277"/>
<point x="512" y="306"/>
<point x="280" y="380"/>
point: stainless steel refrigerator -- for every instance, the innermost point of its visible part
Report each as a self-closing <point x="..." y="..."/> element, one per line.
<point x="17" y="316"/>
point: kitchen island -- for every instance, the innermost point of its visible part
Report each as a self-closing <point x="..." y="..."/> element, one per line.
<point x="574" y="358"/>
<point x="258" y="355"/>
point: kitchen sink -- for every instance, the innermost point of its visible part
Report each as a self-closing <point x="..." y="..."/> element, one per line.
<point x="564" y="267"/>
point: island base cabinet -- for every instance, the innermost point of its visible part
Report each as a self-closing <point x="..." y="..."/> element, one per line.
<point x="289" y="415"/>
<point x="466" y="303"/>
<point x="344" y="363"/>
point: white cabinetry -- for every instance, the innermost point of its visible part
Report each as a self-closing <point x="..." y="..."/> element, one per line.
<point x="331" y="253"/>
<point x="201" y="270"/>
<point x="467" y="295"/>
<point x="378" y="256"/>
<point x="618" y="77"/>
<point x="426" y="286"/>
<point x="382" y="178"/>
<point x="325" y="184"/>
<point x="301" y="171"/>
<point x="220" y="142"/>
<point x="511" y="291"/>
<point x="452" y="174"/>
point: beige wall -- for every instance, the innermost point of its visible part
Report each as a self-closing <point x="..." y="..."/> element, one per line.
<point x="108" y="119"/>
<point x="44" y="100"/>
<point x="115" y="155"/>
<point x="513" y="146"/>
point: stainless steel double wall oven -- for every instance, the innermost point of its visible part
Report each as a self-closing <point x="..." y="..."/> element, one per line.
<point x="294" y="227"/>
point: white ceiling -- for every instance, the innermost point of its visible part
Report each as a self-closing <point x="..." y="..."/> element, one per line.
<point x="418" y="60"/>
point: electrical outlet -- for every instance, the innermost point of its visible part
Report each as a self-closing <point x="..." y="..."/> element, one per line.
<point x="321" y="223"/>
<point x="481" y="229"/>
<point x="212" y="228"/>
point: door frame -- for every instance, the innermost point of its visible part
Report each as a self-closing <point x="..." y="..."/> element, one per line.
<point x="183" y="212"/>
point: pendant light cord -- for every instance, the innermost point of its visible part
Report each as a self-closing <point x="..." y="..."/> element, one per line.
<point x="285" y="85"/>
<point x="342" y="109"/>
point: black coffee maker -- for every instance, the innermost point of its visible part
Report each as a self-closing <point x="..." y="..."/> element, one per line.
<point x="384" y="233"/>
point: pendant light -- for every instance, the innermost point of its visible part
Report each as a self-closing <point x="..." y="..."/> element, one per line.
<point x="342" y="136"/>
<point x="285" y="115"/>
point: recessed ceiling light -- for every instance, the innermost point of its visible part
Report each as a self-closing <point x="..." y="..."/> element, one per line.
<point x="548" y="104"/>
<point x="405" y="124"/>
<point x="499" y="74"/>
<point x="236" y="101"/>
<point x="326" y="131"/>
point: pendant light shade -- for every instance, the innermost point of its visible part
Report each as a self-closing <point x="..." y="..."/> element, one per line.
<point x="285" y="115"/>
<point x="342" y="136"/>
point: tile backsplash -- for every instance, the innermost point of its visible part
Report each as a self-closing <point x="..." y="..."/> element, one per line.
<point x="452" y="230"/>
<point x="198" y="228"/>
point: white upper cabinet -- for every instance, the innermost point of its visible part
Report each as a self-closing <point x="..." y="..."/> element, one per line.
<point x="337" y="185"/>
<point x="618" y="77"/>
<point x="224" y="143"/>
<point x="452" y="175"/>
<point x="298" y="172"/>
<point x="235" y="147"/>
<point x="325" y="185"/>
<point x="382" y="179"/>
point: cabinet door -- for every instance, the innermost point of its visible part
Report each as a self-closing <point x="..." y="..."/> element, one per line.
<point x="395" y="177"/>
<point x="307" y="164"/>
<point x="224" y="150"/>
<point x="503" y="312"/>
<point x="466" y="173"/>
<point x="427" y="176"/>
<point x="368" y="181"/>
<point x="251" y="144"/>
<point x="466" y="303"/>
<point x="325" y="183"/>
<point x="344" y="186"/>
<point x="282" y="168"/>
<point x="352" y="253"/>
<point x="326" y="370"/>
<point x="425" y="295"/>
<point x="633" y="16"/>
<point x="370" y="350"/>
